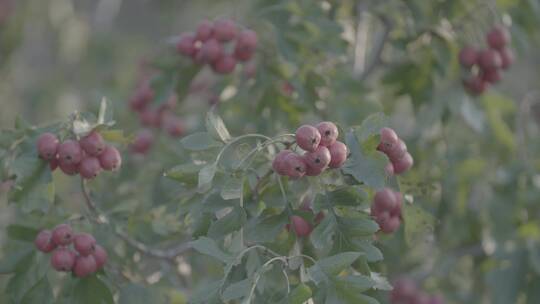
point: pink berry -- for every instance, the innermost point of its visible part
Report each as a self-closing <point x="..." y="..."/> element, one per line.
<point x="468" y="56"/>
<point x="507" y="57"/>
<point x="492" y="75"/>
<point x="243" y="54"/>
<point x="143" y="95"/>
<point x="329" y="133"/>
<point x="247" y="39"/>
<point x="384" y="200"/>
<point x="53" y="164"/>
<point x="300" y="226"/>
<point x="47" y="146"/>
<point x="89" y="167"/>
<point x="312" y="171"/>
<point x="338" y="154"/>
<point x="397" y="151"/>
<point x="489" y="59"/>
<point x="475" y="85"/>
<point x="93" y="143"/>
<point x="150" y="118"/>
<point x="396" y="211"/>
<point x="318" y="159"/>
<point x="391" y="225"/>
<point x="224" y="65"/>
<point x="100" y="255"/>
<point x="44" y="241"/>
<point x="173" y="125"/>
<point x="308" y="138"/>
<point x="389" y="169"/>
<point x="70" y="152"/>
<point x="143" y="141"/>
<point x="110" y="159"/>
<point x="211" y="50"/>
<point x="62" y="235"/>
<point x="498" y="37"/>
<point x="295" y="165"/>
<point x="84" y="266"/>
<point x="224" y="30"/>
<point x="204" y="30"/>
<point x="186" y="44"/>
<point x="63" y="259"/>
<point x="279" y="165"/>
<point x="389" y="140"/>
<point x="68" y="168"/>
<point x="404" y="290"/>
<point x="84" y="243"/>
<point x="403" y="164"/>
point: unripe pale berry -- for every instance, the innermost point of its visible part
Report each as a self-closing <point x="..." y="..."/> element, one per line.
<point x="492" y="75"/>
<point x="84" y="266"/>
<point x="224" y="65"/>
<point x="68" y="168"/>
<point x="93" y="143"/>
<point x="186" y="44"/>
<point x="173" y="125"/>
<point x="308" y="138"/>
<point x="507" y="57"/>
<point x="279" y="165"/>
<point x="143" y="141"/>
<point x="204" y="30"/>
<point x="489" y="59"/>
<point x="62" y="235"/>
<point x="295" y="166"/>
<point x="100" y="255"/>
<point x="70" y="152"/>
<point x="389" y="140"/>
<point x="300" y="226"/>
<point x="84" y="243"/>
<point x="475" y="85"/>
<point x="498" y="37"/>
<point x="43" y="241"/>
<point x="63" y="259"/>
<point x="329" y="132"/>
<point x="318" y="159"/>
<point x="47" y="146"/>
<point x="224" y="30"/>
<point x="89" y="167"/>
<point x="211" y="50"/>
<point x="403" y="164"/>
<point x="397" y="152"/>
<point x="338" y="154"/>
<point x="468" y="56"/>
<point x="110" y="159"/>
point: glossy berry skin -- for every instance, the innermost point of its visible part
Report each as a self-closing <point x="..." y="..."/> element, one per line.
<point x="318" y="159"/>
<point x="100" y="256"/>
<point x="211" y="50"/>
<point x="507" y="57"/>
<point x="143" y="142"/>
<point x="308" y="138"/>
<point x="63" y="259"/>
<point x="498" y="37"/>
<point x="300" y="226"/>
<point x="70" y="152"/>
<point x="110" y="159"/>
<point x="492" y="76"/>
<point x="475" y="85"/>
<point x="278" y="164"/>
<point x="43" y="241"/>
<point x="468" y="56"/>
<point x="186" y="44"/>
<point x="84" y="266"/>
<point x="224" y="65"/>
<point x="89" y="167"/>
<point x="47" y="146"/>
<point x="173" y="125"/>
<point x="338" y="154"/>
<point x="295" y="166"/>
<point x="62" y="235"/>
<point x="68" y="168"/>
<point x="489" y="59"/>
<point x="204" y="31"/>
<point x="84" y="243"/>
<point x="329" y="133"/>
<point x="403" y="164"/>
<point x="225" y="30"/>
<point x="93" y="144"/>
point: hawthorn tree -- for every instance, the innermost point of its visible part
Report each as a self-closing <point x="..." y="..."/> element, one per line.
<point x="287" y="152"/>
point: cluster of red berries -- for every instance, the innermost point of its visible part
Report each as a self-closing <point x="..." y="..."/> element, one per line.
<point x="302" y="227"/>
<point x="323" y="150"/>
<point x="386" y="209"/>
<point x="220" y="44"/>
<point x="485" y="65"/>
<point x="160" y="117"/>
<point x="406" y="292"/>
<point x="87" y="156"/>
<point x="85" y="258"/>
<point x="396" y="150"/>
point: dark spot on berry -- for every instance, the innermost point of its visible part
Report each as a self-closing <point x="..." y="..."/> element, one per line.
<point x="313" y="141"/>
<point x="327" y="132"/>
<point x="68" y="157"/>
<point x="298" y="169"/>
<point x="317" y="160"/>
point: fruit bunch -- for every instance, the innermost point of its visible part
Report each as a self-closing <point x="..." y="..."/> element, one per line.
<point x="484" y="66"/>
<point x="301" y="226"/>
<point x="406" y="292"/>
<point x="323" y="151"/>
<point x="220" y="44"/>
<point x="396" y="150"/>
<point x="87" y="156"/>
<point x="83" y="259"/>
<point x="386" y="209"/>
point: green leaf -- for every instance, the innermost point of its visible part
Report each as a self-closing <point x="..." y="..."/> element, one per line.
<point x="186" y="173"/>
<point x="357" y="226"/>
<point x="233" y="221"/>
<point x="29" y="271"/>
<point x="40" y="293"/>
<point x="116" y="136"/>
<point x="209" y="247"/>
<point x="22" y="233"/>
<point x="331" y="266"/>
<point x="233" y="187"/>
<point x="322" y="235"/>
<point x="207" y="293"/>
<point x="366" y="167"/>
<point x="91" y="290"/>
<point x="300" y="294"/>
<point x="265" y="229"/>
<point x="418" y="223"/>
<point x="371" y="126"/>
<point x="34" y="189"/>
<point x="216" y="127"/>
<point x="237" y="290"/>
<point x="13" y="258"/>
<point x="508" y="279"/>
<point x="137" y="294"/>
<point x="199" y="141"/>
<point x="206" y="175"/>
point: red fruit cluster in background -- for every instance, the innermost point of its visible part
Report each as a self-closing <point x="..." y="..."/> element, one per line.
<point x="301" y="226"/>
<point x="323" y="151"/>
<point x="78" y="253"/>
<point x="386" y="209"/>
<point x="220" y="44"/>
<point x="407" y="292"/>
<point x="87" y="156"/>
<point x="485" y="66"/>
<point x="396" y="150"/>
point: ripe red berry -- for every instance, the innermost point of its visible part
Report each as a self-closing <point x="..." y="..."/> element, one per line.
<point x="44" y="241"/>
<point x="329" y="133"/>
<point x="70" y="152"/>
<point x="204" y="30"/>
<point x="243" y="54"/>
<point x="308" y="138"/>
<point x="173" y="125"/>
<point x="507" y="57"/>
<point x="468" y="56"/>
<point x="295" y="165"/>
<point x="110" y="159"/>
<point x="383" y="201"/>
<point x="100" y="255"/>
<point x="396" y="211"/>
<point x="211" y="50"/>
<point x="390" y="225"/>
<point x="397" y="151"/>
<point x="53" y="164"/>
<point x="84" y="243"/>
<point x="186" y="44"/>
<point x="62" y="235"/>
<point x="403" y="164"/>
<point x="89" y="167"/>
<point x="389" y="140"/>
<point x="84" y="266"/>
<point x="498" y="37"/>
<point x="143" y="141"/>
<point x="224" y="30"/>
<point x="318" y="159"/>
<point x="489" y="59"/>
<point x="475" y="85"/>
<point x="47" y="146"/>
<point x="300" y="226"/>
<point x="93" y="143"/>
<point x="247" y="39"/>
<point x="313" y="171"/>
<point x="150" y="118"/>
<point x="68" y="168"/>
<point x="492" y="75"/>
<point x="224" y="65"/>
<point x="338" y="154"/>
<point x="404" y="290"/>
<point x="63" y="259"/>
<point x="279" y="165"/>
<point x="143" y="95"/>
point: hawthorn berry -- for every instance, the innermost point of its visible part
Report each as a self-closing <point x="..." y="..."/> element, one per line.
<point x="186" y="44"/>
<point x="397" y="151"/>
<point x="468" y="56"/>
<point x="475" y="85"/>
<point x="279" y="165"/>
<point x="62" y="235"/>
<point x="318" y="159"/>
<point x="308" y="138"/>
<point x="84" y="266"/>
<point x="491" y="75"/>
<point x="211" y="50"/>
<point x="386" y="210"/>
<point x="489" y="59"/>
<point x="143" y="95"/>
<point x="68" y="168"/>
<point x="93" y="144"/>
<point x="100" y="256"/>
<point x="242" y="54"/>
<point x="247" y="39"/>
<point x="143" y="141"/>
<point x="173" y="125"/>
<point x="204" y="30"/>
<point x="338" y="154"/>
<point x="390" y="225"/>
<point x="89" y="167"/>
<point x="110" y="159"/>
<point x="63" y="259"/>
<point x="300" y="226"/>
<point x="47" y="146"/>
<point x="224" y="64"/>
<point x="295" y="166"/>
<point x="403" y="164"/>
<point x="404" y="290"/>
<point x="70" y="152"/>
<point x="389" y="140"/>
<point x="384" y="200"/>
<point x="43" y="241"/>
<point x="53" y="164"/>
<point x="498" y="37"/>
<point x="84" y="243"/>
<point x="507" y="57"/>
<point x="150" y="118"/>
<point x="224" y="30"/>
<point x="329" y="133"/>
<point x="313" y="171"/>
